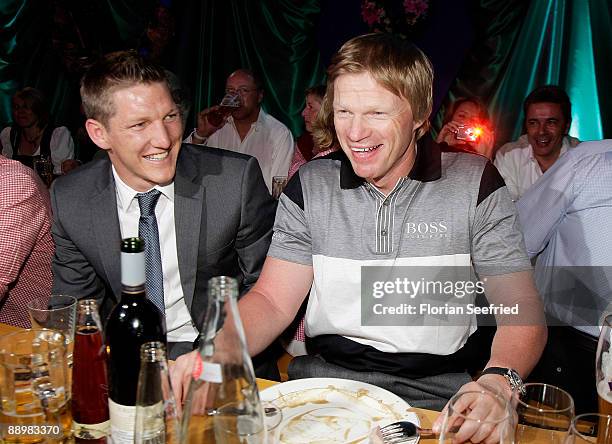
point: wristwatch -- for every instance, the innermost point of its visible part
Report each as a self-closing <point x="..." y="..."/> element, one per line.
<point x="511" y="375"/>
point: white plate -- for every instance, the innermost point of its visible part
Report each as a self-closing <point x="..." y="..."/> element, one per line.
<point x="330" y="410"/>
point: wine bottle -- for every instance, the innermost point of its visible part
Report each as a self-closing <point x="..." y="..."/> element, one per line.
<point x="132" y="322"/>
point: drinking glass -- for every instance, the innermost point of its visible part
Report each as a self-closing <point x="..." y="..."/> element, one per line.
<point x="34" y="388"/>
<point x="603" y="367"/>
<point x="473" y="415"/>
<point x="57" y="312"/>
<point x="590" y="428"/>
<point x="278" y="184"/>
<point x="44" y="168"/>
<point x="545" y="413"/>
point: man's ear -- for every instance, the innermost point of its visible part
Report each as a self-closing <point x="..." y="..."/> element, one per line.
<point x="260" y="96"/>
<point x="97" y="133"/>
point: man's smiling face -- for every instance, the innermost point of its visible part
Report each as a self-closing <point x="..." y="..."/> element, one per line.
<point x="143" y="136"/>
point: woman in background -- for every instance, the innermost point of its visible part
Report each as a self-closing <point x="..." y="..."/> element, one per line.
<point x="32" y="135"/>
<point x="305" y="147"/>
<point x="467" y="127"/>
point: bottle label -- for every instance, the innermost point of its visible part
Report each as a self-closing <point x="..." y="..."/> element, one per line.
<point x="90" y="431"/>
<point x="122" y="418"/>
<point x="207" y="371"/>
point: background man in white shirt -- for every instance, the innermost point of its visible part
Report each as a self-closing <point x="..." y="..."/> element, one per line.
<point x="548" y="115"/>
<point x="249" y="129"/>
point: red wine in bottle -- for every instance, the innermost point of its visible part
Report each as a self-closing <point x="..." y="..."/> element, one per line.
<point x="132" y="322"/>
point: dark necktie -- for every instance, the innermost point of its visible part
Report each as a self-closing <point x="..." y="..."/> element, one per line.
<point x="147" y="230"/>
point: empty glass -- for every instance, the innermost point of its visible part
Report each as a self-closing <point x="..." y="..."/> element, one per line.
<point x="544" y="411"/>
<point x="57" y="312"/>
<point x="34" y="388"/>
<point x="474" y="416"/>
<point x="590" y="428"/>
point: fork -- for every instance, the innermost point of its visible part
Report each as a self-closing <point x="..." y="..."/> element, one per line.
<point x="403" y="431"/>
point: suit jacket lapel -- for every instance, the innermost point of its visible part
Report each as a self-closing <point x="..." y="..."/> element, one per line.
<point x="188" y="208"/>
<point x="105" y="222"/>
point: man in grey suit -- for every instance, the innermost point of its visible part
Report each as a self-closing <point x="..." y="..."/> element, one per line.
<point x="213" y="211"/>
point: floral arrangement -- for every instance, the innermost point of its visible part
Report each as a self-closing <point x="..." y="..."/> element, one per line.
<point x="394" y="16"/>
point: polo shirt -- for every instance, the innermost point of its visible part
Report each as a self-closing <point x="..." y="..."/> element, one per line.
<point x="452" y="209"/>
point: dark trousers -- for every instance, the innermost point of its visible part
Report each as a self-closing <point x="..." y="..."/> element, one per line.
<point x="568" y="362"/>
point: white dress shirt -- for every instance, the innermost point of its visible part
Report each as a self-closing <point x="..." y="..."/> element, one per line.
<point x="268" y="140"/>
<point x="519" y="167"/>
<point x="61" y="146"/>
<point x="178" y="320"/>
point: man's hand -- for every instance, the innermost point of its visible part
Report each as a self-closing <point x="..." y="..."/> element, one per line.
<point x="482" y="407"/>
<point x="180" y="376"/>
<point x="206" y="126"/>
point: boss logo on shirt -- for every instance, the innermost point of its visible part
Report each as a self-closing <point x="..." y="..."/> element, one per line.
<point x="427" y="230"/>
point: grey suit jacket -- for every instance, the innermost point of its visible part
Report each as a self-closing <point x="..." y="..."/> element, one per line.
<point x="223" y="215"/>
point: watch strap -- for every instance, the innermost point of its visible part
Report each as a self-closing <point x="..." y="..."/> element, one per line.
<point x="511" y="375"/>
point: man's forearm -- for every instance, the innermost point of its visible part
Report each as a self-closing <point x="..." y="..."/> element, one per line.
<point x="518" y="347"/>
<point x="262" y="320"/>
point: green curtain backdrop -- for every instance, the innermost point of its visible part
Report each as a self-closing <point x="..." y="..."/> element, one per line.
<point x="276" y="38"/>
<point x="564" y="42"/>
<point x="212" y="38"/>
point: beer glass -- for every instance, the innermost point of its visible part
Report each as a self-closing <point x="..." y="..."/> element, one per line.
<point x="57" y="312"/>
<point x="230" y="102"/>
<point x="474" y="415"/>
<point x="544" y="412"/>
<point x="590" y="428"/>
<point x="44" y="168"/>
<point x="603" y="367"/>
<point x="34" y="388"/>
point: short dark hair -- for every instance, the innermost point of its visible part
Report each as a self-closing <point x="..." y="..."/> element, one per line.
<point x="36" y="102"/>
<point x="550" y="94"/>
<point x="112" y="72"/>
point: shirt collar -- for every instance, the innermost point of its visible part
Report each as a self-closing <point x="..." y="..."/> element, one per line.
<point x="565" y="144"/>
<point x="126" y="194"/>
<point x="427" y="165"/>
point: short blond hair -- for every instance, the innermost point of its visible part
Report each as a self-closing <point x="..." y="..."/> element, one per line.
<point x="397" y="65"/>
<point x="112" y="72"/>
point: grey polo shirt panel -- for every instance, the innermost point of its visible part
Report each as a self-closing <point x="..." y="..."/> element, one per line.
<point x="417" y="219"/>
<point x="498" y="246"/>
